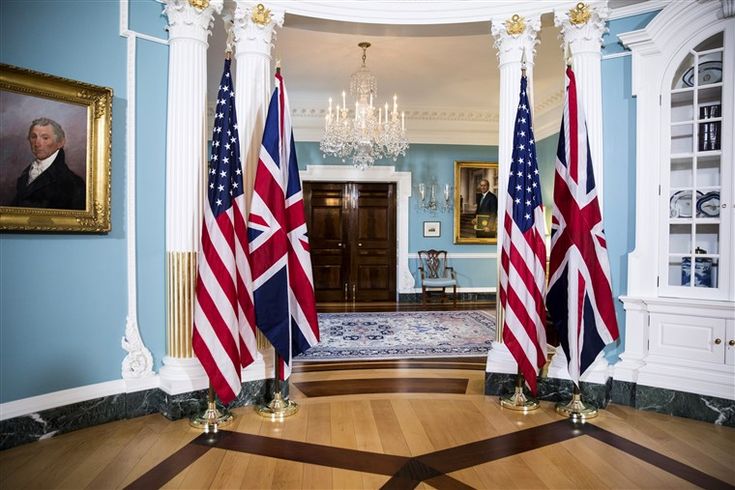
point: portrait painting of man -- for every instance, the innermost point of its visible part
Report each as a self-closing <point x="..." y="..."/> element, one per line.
<point x="43" y="153"/>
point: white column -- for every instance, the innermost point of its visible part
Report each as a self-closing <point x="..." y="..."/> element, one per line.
<point x="582" y="30"/>
<point x="513" y="37"/>
<point x="254" y="27"/>
<point x="189" y="29"/>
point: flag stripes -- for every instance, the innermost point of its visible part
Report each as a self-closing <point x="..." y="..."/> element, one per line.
<point x="224" y="322"/>
<point x="523" y="255"/>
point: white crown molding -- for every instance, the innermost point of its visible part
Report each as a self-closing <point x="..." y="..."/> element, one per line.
<point x="416" y="12"/>
<point x="637" y="9"/>
<point x="439" y="125"/>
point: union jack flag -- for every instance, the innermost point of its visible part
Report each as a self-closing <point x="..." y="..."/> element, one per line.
<point x="285" y="308"/>
<point x="523" y="258"/>
<point x="224" y="318"/>
<point x="579" y="298"/>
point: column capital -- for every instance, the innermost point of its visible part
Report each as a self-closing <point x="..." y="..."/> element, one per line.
<point x="513" y="36"/>
<point x="254" y="25"/>
<point x="582" y="26"/>
<point x="191" y="19"/>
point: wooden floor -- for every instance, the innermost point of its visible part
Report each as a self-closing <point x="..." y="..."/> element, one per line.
<point x="386" y="425"/>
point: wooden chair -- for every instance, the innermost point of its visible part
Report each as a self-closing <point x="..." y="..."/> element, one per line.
<point x="436" y="276"/>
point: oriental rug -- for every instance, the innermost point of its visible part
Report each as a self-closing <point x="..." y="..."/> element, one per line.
<point x="402" y="335"/>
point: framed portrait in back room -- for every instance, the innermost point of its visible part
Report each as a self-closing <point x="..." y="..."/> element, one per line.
<point x="55" y="152"/>
<point x="475" y="202"/>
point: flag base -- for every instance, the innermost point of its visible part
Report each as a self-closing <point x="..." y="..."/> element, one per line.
<point x="278" y="409"/>
<point x="212" y="419"/>
<point x="518" y="401"/>
<point x="576" y="410"/>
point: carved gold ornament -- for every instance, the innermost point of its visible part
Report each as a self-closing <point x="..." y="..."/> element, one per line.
<point x="199" y="4"/>
<point x="515" y="25"/>
<point x="579" y="14"/>
<point x="261" y="15"/>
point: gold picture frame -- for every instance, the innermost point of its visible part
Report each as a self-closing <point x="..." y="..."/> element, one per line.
<point x="475" y="215"/>
<point x="84" y="112"/>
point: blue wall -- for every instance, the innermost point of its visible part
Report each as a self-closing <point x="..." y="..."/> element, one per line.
<point x="63" y="297"/>
<point x="619" y="134"/>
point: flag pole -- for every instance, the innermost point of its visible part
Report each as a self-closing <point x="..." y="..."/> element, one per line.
<point x="575" y="410"/>
<point x="212" y="419"/>
<point x="518" y="401"/>
<point x="279" y="407"/>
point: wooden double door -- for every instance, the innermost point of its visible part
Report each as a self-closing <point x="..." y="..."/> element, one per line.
<point x="352" y="234"/>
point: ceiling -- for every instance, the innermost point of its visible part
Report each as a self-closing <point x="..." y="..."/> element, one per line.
<point x="445" y="75"/>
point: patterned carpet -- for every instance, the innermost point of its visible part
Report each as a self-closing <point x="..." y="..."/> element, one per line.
<point x="402" y="335"/>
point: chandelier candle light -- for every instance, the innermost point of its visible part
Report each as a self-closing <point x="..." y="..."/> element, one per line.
<point x="364" y="136"/>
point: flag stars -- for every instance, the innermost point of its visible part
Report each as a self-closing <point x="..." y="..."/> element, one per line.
<point x="220" y="187"/>
<point x="223" y="174"/>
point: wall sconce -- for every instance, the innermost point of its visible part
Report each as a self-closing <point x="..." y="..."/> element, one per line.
<point x="428" y="200"/>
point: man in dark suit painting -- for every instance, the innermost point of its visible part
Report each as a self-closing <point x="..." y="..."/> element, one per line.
<point x="486" y="213"/>
<point x="48" y="182"/>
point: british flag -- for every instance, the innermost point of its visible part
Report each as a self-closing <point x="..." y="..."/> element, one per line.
<point x="224" y="319"/>
<point x="283" y="288"/>
<point x="523" y="257"/>
<point x="579" y="297"/>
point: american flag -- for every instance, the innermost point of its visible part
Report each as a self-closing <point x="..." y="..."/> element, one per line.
<point x="224" y="318"/>
<point x="580" y="293"/>
<point x="523" y="258"/>
<point x="285" y="308"/>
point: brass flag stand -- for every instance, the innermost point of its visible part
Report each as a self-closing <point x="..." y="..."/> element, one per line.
<point x="576" y="409"/>
<point x="518" y="401"/>
<point x="212" y="419"/>
<point x="279" y="407"/>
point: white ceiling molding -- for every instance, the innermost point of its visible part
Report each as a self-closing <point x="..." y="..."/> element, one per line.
<point x="417" y="12"/>
<point x="637" y="9"/>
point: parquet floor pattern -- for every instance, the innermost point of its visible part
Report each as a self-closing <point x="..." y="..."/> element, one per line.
<point x="381" y="426"/>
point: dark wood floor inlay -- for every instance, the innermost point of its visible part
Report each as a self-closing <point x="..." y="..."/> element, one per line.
<point x="408" y="472"/>
<point x="464" y="363"/>
<point x="382" y="385"/>
<point x="659" y="460"/>
<point x="160" y="474"/>
<point x="304" y="452"/>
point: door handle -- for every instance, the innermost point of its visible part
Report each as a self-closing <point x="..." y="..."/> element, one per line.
<point x="354" y="288"/>
<point x="346" y="296"/>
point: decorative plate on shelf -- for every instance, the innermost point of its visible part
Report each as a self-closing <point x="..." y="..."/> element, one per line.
<point x="680" y="204"/>
<point x="708" y="205"/>
<point x="709" y="72"/>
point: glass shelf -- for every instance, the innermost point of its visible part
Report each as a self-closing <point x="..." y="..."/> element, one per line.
<point x="697" y="176"/>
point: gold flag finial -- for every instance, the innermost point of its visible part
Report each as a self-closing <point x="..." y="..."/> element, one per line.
<point x="261" y="15"/>
<point x="580" y="14"/>
<point x="199" y="4"/>
<point x="515" y="25"/>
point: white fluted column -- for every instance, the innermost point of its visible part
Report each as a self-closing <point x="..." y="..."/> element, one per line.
<point x="189" y="29"/>
<point x="513" y="37"/>
<point x="254" y="30"/>
<point x="582" y="30"/>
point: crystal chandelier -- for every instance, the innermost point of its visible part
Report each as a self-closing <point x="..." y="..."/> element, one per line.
<point x="366" y="134"/>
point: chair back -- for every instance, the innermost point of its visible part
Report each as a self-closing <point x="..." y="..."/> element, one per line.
<point x="434" y="263"/>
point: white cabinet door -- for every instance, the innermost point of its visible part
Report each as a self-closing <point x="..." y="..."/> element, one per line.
<point x="688" y="337"/>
